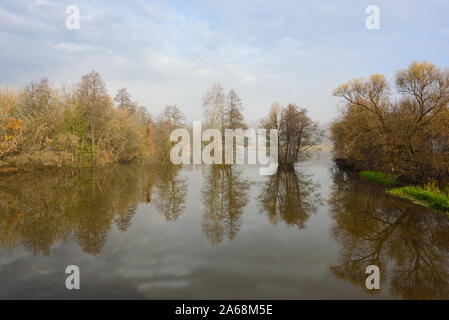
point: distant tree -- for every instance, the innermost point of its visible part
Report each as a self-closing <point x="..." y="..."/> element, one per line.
<point x="174" y="116"/>
<point x="272" y="121"/>
<point x="214" y="107"/>
<point x="233" y="118"/>
<point x="124" y="102"/>
<point x="144" y="118"/>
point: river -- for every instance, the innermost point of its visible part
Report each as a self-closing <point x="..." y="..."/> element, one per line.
<point x="216" y="232"/>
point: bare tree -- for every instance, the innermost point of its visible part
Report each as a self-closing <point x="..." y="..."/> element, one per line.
<point x="124" y="102"/>
<point x="408" y="135"/>
<point x="297" y="133"/>
<point x="175" y="116"/>
<point x="233" y="112"/>
<point x="214" y="107"/>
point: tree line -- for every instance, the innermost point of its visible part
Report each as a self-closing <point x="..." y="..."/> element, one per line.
<point x="84" y="126"/>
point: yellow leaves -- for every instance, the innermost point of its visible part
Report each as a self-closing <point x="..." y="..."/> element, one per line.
<point x="418" y="76"/>
<point x="420" y="68"/>
<point x="377" y="77"/>
<point x="14" y="124"/>
<point x="407" y="133"/>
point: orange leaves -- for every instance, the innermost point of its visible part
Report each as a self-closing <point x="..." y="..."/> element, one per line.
<point x="14" y="124"/>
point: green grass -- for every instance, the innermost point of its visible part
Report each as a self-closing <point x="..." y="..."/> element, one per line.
<point x="429" y="195"/>
<point x="380" y="178"/>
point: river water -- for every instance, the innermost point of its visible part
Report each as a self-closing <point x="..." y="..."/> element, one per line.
<point x="216" y="232"/>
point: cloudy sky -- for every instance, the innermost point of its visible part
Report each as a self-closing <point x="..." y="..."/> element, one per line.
<point x="170" y="52"/>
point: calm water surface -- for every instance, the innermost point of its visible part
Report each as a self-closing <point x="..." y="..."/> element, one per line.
<point x="216" y="232"/>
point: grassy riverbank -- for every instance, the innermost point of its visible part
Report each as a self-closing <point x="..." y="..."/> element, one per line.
<point x="429" y="195"/>
<point x="380" y="178"/>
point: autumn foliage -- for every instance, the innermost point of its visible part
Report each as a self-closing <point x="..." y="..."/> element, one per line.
<point x="41" y="126"/>
<point x="404" y="132"/>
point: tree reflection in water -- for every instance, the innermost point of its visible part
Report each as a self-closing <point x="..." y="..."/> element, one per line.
<point x="170" y="192"/>
<point x="409" y="244"/>
<point x="224" y="197"/>
<point x="290" y="196"/>
<point x="41" y="208"/>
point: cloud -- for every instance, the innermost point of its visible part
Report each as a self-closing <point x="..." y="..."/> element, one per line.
<point x="75" y="47"/>
<point x="171" y="52"/>
<point x="11" y="22"/>
<point x="44" y="3"/>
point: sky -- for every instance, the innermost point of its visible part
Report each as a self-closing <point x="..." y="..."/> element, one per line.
<point x="171" y="52"/>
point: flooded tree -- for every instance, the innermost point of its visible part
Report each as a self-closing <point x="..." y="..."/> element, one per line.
<point x="297" y="133"/>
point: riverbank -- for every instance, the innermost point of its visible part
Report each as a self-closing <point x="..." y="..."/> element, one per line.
<point x="429" y="195"/>
<point x="380" y="178"/>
